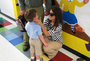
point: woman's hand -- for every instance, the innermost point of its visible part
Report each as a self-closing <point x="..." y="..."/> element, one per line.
<point x="45" y="32"/>
<point x="39" y="21"/>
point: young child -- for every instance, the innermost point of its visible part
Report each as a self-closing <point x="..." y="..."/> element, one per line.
<point x="34" y="32"/>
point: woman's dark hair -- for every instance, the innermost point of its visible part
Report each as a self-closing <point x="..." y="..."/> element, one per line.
<point x="58" y="16"/>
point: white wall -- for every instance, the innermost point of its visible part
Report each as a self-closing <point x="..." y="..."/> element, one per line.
<point x="83" y="17"/>
<point x="6" y="7"/>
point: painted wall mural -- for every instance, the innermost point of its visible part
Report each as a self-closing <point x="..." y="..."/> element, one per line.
<point x="76" y="19"/>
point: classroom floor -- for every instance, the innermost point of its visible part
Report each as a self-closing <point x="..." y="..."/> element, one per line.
<point x="11" y="42"/>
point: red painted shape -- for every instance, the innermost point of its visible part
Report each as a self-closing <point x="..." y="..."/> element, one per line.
<point x="62" y="57"/>
<point x="6" y="23"/>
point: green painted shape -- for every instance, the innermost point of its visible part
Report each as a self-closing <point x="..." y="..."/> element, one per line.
<point x="14" y="29"/>
<point x="19" y="46"/>
<point x="1" y="19"/>
<point x="3" y="29"/>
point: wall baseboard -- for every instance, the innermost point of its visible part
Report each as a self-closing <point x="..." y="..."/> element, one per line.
<point x="7" y="16"/>
<point x="76" y="53"/>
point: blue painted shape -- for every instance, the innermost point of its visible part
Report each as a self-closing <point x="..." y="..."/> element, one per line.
<point x="21" y="37"/>
<point x="16" y="41"/>
<point x="10" y="37"/>
<point x="3" y="21"/>
<point x="5" y="33"/>
<point x="69" y="17"/>
<point x="19" y="33"/>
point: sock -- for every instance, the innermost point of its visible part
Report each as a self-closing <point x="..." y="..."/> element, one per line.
<point x="32" y="57"/>
<point x="38" y="60"/>
<point x="72" y="28"/>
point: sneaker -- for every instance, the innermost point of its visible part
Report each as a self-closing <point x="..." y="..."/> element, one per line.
<point x="80" y="59"/>
<point x="32" y="60"/>
<point x="79" y="28"/>
<point x="73" y="31"/>
<point x="25" y="47"/>
<point x="41" y="59"/>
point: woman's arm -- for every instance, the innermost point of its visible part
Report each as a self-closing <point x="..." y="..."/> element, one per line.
<point x="46" y="33"/>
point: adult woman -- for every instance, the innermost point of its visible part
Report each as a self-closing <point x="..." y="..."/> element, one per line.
<point x="52" y="29"/>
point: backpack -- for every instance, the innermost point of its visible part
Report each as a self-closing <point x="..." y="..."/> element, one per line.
<point x="21" y="21"/>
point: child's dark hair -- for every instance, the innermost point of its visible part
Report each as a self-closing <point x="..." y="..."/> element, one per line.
<point x="30" y="14"/>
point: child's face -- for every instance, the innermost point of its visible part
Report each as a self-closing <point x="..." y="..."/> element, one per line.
<point x="36" y="17"/>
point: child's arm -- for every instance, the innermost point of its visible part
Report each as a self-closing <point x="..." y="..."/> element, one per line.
<point x="43" y="41"/>
<point x="86" y="1"/>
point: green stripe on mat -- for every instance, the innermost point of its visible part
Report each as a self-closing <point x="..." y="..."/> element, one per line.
<point x="3" y="29"/>
<point x="1" y="19"/>
<point x="14" y="29"/>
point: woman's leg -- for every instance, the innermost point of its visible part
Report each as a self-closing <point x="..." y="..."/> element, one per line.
<point x="52" y="49"/>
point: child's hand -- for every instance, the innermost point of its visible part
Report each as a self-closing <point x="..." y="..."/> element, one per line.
<point x="86" y="1"/>
<point x="22" y="12"/>
<point x="46" y="45"/>
<point x="46" y="13"/>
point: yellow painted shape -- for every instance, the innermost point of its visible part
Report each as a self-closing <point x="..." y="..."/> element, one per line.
<point x="75" y="43"/>
<point x="80" y="46"/>
<point x="45" y="58"/>
<point x="70" y="6"/>
<point x="16" y="8"/>
<point x="68" y="39"/>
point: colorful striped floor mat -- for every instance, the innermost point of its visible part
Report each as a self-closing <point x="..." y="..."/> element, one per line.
<point x="10" y="32"/>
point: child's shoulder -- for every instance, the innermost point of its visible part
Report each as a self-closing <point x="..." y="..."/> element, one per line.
<point x="38" y="25"/>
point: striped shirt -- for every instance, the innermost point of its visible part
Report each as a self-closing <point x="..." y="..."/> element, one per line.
<point x="56" y="35"/>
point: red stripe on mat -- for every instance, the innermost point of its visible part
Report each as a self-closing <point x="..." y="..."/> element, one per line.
<point x="62" y="57"/>
<point x="6" y="23"/>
